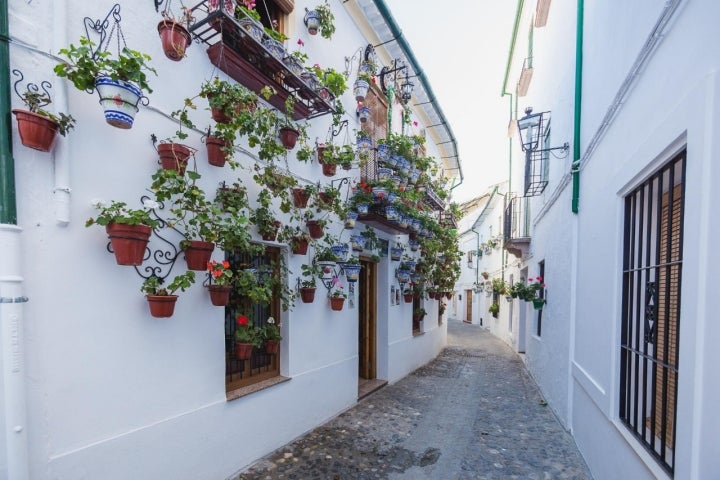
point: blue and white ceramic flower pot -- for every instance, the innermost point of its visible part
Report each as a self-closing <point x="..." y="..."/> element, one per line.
<point x="119" y="99"/>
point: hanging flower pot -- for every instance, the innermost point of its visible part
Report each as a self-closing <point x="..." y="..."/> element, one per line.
<point x="307" y="294"/>
<point x="161" y="306"/>
<point x="357" y="242"/>
<point x="321" y="148"/>
<point x="396" y="253"/>
<point x="362" y="208"/>
<point x="272" y="347"/>
<point x="336" y="303"/>
<point x="275" y="47"/>
<point x="364" y="113"/>
<point x="391" y="213"/>
<point x="312" y="21"/>
<point x="408" y="297"/>
<point x="174" y="156"/>
<point x="352" y="272"/>
<point x="350" y="220"/>
<point x="219" y="294"/>
<point x="243" y="351"/>
<point x="315" y="229"/>
<point x="379" y="193"/>
<point x="329" y="169"/>
<point x="175" y="39"/>
<point x="538" y="303"/>
<point x="383" y="152"/>
<point x="36" y="132"/>
<point x="128" y="242"/>
<point x="360" y="89"/>
<point x="327" y="267"/>
<point x="414" y="245"/>
<point x="340" y="250"/>
<point x="364" y="146"/>
<point x="216" y="150"/>
<point x="288" y="137"/>
<point x="299" y="245"/>
<point x="119" y="99"/>
<point x="402" y="275"/>
<point x="300" y="197"/>
<point x="198" y="253"/>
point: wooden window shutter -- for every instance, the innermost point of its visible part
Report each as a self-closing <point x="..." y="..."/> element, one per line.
<point x="287" y="6"/>
<point x="377" y="124"/>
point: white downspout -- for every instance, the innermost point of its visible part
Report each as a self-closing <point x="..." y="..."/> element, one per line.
<point x="61" y="190"/>
<point x="11" y="321"/>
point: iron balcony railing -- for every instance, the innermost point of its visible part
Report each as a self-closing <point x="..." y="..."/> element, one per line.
<point x="516" y="225"/>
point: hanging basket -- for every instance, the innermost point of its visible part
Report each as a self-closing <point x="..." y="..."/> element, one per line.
<point x="329" y="169"/>
<point x="174" y="156"/>
<point x="216" y="150"/>
<point x="360" y="89"/>
<point x="128" y="242"/>
<point x="288" y="137"/>
<point x="312" y="21"/>
<point x="175" y="39"/>
<point x="198" y="253"/>
<point x="119" y="99"/>
<point x="307" y="294"/>
<point x="352" y="272"/>
<point x="337" y="303"/>
<point x="363" y="114"/>
<point x="219" y="294"/>
<point x="161" y="306"/>
<point x="36" y="132"/>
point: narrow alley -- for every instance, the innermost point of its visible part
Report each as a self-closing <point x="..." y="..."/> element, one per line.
<point x="473" y="412"/>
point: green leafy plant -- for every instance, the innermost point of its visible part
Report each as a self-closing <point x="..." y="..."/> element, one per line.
<point x="33" y="101"/>
<point x="310" y="272"/>
<point x="83" y="68"/>
<point x="246" y="332"/>
<point x="326" y="19"/>
<point x="153" y="285"/>
<point x="118" y="212"/>
<point x="271" y="331"/>
<point x="494" y="309"/>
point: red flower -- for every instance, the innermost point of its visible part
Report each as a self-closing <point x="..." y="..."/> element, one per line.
<point x="216" y="273"/>
<point x="242" y="320"/>
<point x="226" y="264"/>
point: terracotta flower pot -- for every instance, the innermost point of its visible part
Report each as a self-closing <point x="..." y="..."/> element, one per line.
<point x="128" y="242"/>
<point x="162" y="306"/>
<point x="299" y="245"/>
<point x="329" y="169"/>
<point x="321" y="154"/>
<point x="272" y="347"/>
<point x="175" y="39"/>
<point x="408" y="298"/>
<point x="270" y="236"/>
<point x="198" y="253"/>
<point x="315" y="229"/>
<point x="216" y="151"/>
<point x="174" y="156"/>
<point x="288" y="137"/>
<point x="307" y="294"/>
<point x="219" y="294"/>
<point x="300" y="197"/>
<point x="243" y="351"/>
<point x="36" y="132"/>
<point x="336" y="303"/>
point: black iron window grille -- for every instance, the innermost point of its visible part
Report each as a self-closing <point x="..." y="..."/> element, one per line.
<point x="652" y="273"/>
<point x="541" y="296"/>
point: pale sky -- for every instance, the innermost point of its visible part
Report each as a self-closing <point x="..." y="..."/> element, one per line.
<point x="462" y="45"/>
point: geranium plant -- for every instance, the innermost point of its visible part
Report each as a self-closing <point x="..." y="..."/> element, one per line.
<point x="246" y="332"/>
<point x="220" y="272"/>
<point x="271" y="331"/>
<point x="153" y="285"/>
<point x="118" y="212"/>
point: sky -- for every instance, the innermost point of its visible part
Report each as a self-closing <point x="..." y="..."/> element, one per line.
<point x="462" y="45"/>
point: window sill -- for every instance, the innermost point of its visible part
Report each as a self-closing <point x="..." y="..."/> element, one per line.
<point x="417" y="333"/>
<point x="256" y="387"/>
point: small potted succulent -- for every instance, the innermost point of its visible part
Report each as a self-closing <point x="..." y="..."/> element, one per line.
<point x="37" y="127"/>
<point x="120" y="82"/>
<point x="128" y="229"/>
<point x="161" y="300"/>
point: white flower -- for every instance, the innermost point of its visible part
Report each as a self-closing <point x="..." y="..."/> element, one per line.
<point x="150" y="204"/>
<point x="98" y="203"/>
<point x="271" y="320"/>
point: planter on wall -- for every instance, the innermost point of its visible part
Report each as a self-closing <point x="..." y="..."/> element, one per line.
<point x="538" y="303"/>
<point x="336" y="303"/>
<point x="300" y="197"/>
<point x="198" y="253"/>
<point x="299" y="245"/>
<point x="315" y="229"/>
<point x="174" y="156"/>
<point x="243" y="351"/>
<point x="329" y="169"/>
<point x="36" y="132"/>
<point x="128" y="242"/>
<point x="119" y="99"/>
<point x="219" y="294"/>
<point x="216" y="149"/>
<point x="307" y="294"/>
<point x="288" y="137"/>
<point x="162" y="306"/>
<point x="272" y="347"/>
<point x="175" y="39"/>
<point x="271" y="235"/>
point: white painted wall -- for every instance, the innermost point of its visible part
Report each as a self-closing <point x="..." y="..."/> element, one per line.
<point x="107" y="382"/>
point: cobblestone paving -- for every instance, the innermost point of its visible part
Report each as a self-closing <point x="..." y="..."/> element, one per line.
<point x="472" y="413"/>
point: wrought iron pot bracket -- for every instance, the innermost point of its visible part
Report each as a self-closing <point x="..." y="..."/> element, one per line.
<point x="32" y="88"/>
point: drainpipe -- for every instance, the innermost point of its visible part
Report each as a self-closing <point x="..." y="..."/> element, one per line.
<point x="405" y="46"/>
<point x="61" y="190"/>
<point x="11" y="283"/>
<point x="575" y="169"/>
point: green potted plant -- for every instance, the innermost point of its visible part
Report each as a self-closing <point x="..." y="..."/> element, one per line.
<point x="247" y="337"/>
<point x="301" y="195"/>
<point x="271" y="335"/>
<point x="316" y="227"/>
<point x="227" y="100"/>
<point x="362" y="85"/>
<point x="119" y="82"/>
<point x="351" y="268"/>
<point x="37" y="127"/>
<point x="221" y="277"/>
<point x="418" y="314"/>
<point x="308" y="285"/>
<point x="264" y="218"/>
<point x="248" y="284"/>
<point x="320" y="19"/>
<point x="337" y="297"/>
<point x="494" y="309"/>
<point x="129" y="229"/>
<point x="161" y="300"/>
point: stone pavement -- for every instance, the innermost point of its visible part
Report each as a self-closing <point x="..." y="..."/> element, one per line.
<point x="472" y="413"/>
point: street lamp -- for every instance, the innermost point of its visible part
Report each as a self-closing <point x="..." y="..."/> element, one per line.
<point x="530" y="128"/>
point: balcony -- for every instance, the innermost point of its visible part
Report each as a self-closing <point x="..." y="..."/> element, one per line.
<point x="516" y="225"/>
<point x="234" y="51"/>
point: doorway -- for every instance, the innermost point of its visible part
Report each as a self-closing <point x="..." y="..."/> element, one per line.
<point x="468" y="306"/>
<point x="367" y="321"/>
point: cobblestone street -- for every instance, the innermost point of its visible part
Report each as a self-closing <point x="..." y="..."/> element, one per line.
<point x="472" y="413"/>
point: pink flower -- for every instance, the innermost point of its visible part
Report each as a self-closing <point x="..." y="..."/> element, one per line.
<point x="300" y="42"/>
<point x="415" y="124"/>
<point x="539" y="278"/>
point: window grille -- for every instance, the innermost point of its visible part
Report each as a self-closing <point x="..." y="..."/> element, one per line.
<point x="652" y="272"/>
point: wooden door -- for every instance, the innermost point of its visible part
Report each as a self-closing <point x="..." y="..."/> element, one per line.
<point x="468" y="306"/>
<point x="367" y="324"/>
